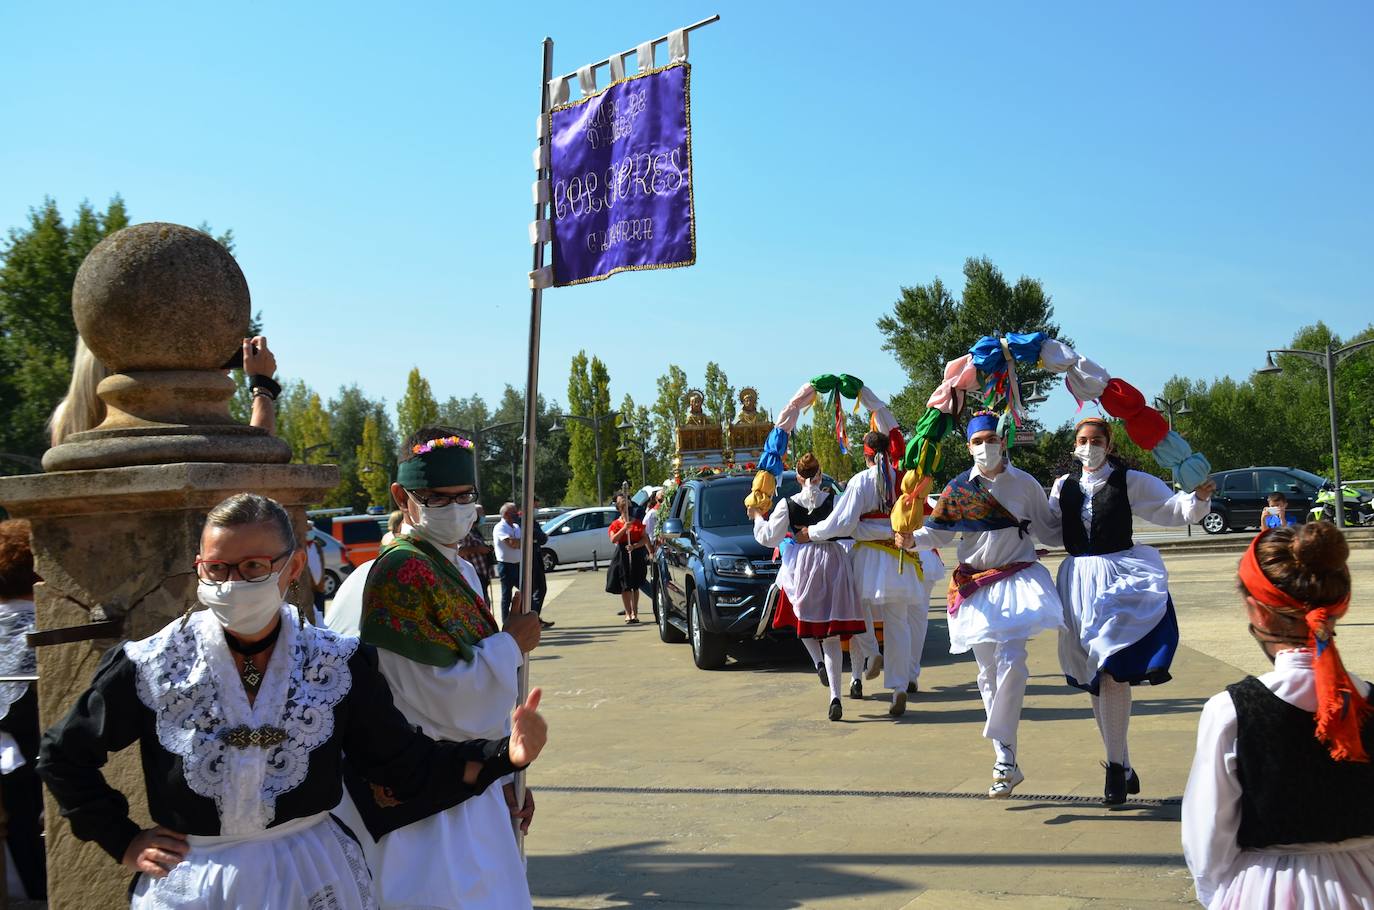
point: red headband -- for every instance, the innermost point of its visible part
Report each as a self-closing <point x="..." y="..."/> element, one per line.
<point x="1341" y="710"/>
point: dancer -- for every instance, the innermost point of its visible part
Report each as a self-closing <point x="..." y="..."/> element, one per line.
<point x="1119" y="624"/>
<point x="245" y="716"/>
<point x="890" y="584"/>
<point x="1000" y="596"/>
<point x="1279" y="808"/>
<point x="453" y="675"/>
<point x="815" y="576"/>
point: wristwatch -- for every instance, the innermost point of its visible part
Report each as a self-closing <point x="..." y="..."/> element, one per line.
<point x="265" y="384"/>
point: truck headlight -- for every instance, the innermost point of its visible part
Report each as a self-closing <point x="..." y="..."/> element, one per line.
<point x="733" y="565"/>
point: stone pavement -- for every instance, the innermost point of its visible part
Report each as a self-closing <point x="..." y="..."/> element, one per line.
<point x="666" y="786"/>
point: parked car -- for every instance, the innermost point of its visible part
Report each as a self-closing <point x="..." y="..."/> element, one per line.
<point x="336" y="564"/>
<point x="580" y="535"/>
<point x="1243" y="493"/>
<point x="361" y="535"/>
<point x="713" y="577"/>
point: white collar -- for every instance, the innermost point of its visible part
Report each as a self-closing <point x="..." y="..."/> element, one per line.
<point x="1294" y="659"/>
<point x="1096" y="477"/>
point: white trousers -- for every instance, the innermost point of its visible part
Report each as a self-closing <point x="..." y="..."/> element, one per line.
<point x="1002" y="677"/>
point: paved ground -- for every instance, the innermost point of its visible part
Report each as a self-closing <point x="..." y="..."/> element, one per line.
<point x="666" y="786"/>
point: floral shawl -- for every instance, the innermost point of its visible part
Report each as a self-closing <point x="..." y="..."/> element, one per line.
<point x="416" y="604"/>
<point x="966" y="504"/>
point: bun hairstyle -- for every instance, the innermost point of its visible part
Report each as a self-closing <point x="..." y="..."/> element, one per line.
<point x="16" y="560"/>
<point x="808" y="466"/>
<point x="1307" y="562"/>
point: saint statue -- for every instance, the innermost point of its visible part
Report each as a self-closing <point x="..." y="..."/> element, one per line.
<point x="750" y="415"/>
<point x="695" y="417"/>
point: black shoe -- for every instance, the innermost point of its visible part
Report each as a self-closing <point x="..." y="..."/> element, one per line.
<point x="1114" y="791"/>
<point x="911" y="688"/>
<point x="825" y="677"/>
<point x="545" y="624"/>
<point x="619" y="612"/>
<point x="1132" y="781"/>
<point x="856" y="689"/>
<point x="836" y="711"/>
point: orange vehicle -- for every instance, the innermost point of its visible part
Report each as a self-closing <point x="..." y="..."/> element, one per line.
<point x="361" y="535"/>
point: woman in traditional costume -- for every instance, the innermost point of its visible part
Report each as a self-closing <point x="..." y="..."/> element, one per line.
<point x="1279" y="808"/>
<point x="19" y="785"/>
<point x="629" y="564"/>
<point x="1119" y="624"/>
<point x="815" y="577"/>
<point x="245" y="717"/>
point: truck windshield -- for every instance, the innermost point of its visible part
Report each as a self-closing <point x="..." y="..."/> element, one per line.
<point x="722" y="506"/>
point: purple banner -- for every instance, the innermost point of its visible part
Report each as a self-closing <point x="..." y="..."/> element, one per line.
<point x="621" y="181"/>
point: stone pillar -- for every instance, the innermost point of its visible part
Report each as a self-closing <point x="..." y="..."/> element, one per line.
<point x="117" y="518"/>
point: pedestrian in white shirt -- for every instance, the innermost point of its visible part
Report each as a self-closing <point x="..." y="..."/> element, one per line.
<point x="506" y="539"/>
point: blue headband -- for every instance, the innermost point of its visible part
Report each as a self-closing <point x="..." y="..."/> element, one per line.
<point x="981" y="422"/>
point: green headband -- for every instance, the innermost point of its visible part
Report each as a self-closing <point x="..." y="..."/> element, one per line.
<point x="439" y="465"/>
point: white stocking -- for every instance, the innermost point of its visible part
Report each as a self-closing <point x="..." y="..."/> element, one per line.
<point x="834" y="663"/>
<point x="813" y="648"/>
<point x="1116" y="717"/>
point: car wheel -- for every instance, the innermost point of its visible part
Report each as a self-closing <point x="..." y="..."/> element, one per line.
<point x="708" y="648"/>
<point x="331" y="583"/>
<point x="550" y="559"/>
<point x="1213" y="522"/>
<point x="667" y="632"/>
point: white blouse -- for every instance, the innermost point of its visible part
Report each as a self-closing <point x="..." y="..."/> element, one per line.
<point x="1211" y="802"/>
<point x="771" y="531"/>
<point x="860" y="497"/>
<point x="1150" y="497"/>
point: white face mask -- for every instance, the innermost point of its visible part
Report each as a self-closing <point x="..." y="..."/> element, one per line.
<point x="987" y="455"/>
<point x="447" y="524"/>
<point x="243" y="607"/>
<point x="1092" y="456"/>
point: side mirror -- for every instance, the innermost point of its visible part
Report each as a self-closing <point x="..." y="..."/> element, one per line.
<point x="565" y="529"/>
<point x="671" y="528"/>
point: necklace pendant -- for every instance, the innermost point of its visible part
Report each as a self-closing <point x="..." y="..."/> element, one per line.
<point x="251" y="676"/>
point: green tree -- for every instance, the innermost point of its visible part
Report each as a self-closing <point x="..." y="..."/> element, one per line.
<point x="371" y="456"/>
<point x="505" y="481"/>
<point x="718" y="396"/>
<point x="418" y="407"/>
<point x="37" y="331"/>
<point x="927" y="327"/>
<point x="633" y="469"/>
<point x="589" y="396"/>
<point x="669" y="409"/>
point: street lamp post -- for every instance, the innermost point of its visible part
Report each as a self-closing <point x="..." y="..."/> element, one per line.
<point x="1172" y="407"/>
<point x="477" y="435"/>
<point x="1328" y="359"/>
<point x="595" y="421"/>
<point x="641" y="443"/>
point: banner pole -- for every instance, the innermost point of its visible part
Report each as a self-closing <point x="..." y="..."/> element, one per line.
<point x="528" y="553"/>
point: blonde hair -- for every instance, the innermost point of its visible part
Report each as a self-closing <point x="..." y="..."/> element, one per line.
<point x="82" y="408"/>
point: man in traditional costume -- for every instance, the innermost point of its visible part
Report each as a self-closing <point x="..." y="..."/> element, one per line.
<point x="246" y="717"/>
<point x="1120" y="629"/>
<point x="1000" y="595"/>
<point x="891" y="585"/>
<point x="452" y="673"/>
<point x="818" y="594"/>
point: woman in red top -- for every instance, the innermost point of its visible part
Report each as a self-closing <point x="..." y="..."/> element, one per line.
<point x="629" y="565"/>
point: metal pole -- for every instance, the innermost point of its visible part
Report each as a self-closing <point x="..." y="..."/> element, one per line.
<point x="1330" y="361"/>
<point x="596" y="440"/>
<point x="477" y="462"/>
<point x="656" y="42"/>
<point x="527" y="554"/>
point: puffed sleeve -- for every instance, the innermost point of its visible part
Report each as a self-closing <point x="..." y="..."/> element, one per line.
<point x="1153" y="501"/>
<point x="106" y="718"/>
<point x="1055" y="492"/>
<point x="844" y="518"/>
<point x="771" y="531"/>
<point x="384" y="748"/>
<point x="1045" y="523"/>
<point x="1211" y="801"/>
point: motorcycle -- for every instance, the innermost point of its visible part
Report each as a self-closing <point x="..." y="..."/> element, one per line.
<point x="1359" y="505"/>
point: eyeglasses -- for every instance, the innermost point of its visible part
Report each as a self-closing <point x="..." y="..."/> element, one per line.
<point x="439" y="500"/>
<point x="252" y="569"/>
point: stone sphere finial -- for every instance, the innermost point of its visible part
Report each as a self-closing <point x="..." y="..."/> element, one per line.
<point x="160" y="296"/>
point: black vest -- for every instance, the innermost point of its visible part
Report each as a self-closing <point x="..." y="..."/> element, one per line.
<point x="1292" y="790"/>
<point x="799" y="517"/>
<point x="1111" y="529"/>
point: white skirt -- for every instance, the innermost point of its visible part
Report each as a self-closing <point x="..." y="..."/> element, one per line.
<point x="464" y="857"/>
<point x="816" y="578"/>
<point x="1012" y="609"/>
<point x="881" y="578"/>
<point x="303" y="864"/>
<point x="1302" y="877"/>
<point x="1110" y="603"/>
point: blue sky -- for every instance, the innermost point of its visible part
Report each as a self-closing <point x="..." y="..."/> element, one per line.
<point x="1191" y="182"/>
